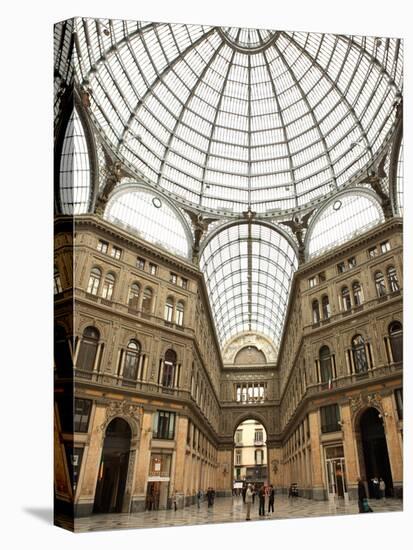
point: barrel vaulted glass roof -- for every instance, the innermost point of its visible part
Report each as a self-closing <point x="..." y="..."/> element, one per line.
<point x="248" y="270"/>
<point x="231" y="119"/>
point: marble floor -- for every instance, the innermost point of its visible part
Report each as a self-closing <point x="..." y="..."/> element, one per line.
<point x="225" y="510"/>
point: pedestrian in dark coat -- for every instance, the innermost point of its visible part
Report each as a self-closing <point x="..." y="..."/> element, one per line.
<point x="271" y="500"/>
<point x="362" y="495"/>
<point x="261" y="498"/>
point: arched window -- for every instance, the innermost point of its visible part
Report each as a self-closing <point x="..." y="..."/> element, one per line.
<point x="62" y="355"/>
<point x="316" y="311"/>
<point x="108" y="286"/>
<point x="358" y="348"/>
<point x="392" y="279"/>
<point x="326" y="370"/>
<point x="133" y="299"/>
<point x="147" y="301"/>
<point x="380" y="283"/>
<point x="325" y="307"/>
<point x="169" y="367"/>
<point x="130" y="369"/>
<point x="57" y="287"/>
<point x="345" y="298"/>
<point x="87" y="352"/>
<point x="357" y="294"/>
<point x="396" y="341"/>
<point x="94" y="281"/>
<point x="169" y="310"/>
<point x="180" y="308"/>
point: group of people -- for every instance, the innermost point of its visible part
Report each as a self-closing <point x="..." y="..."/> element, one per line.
<point x="377" y="490"/>
<point x="266" y="497"/>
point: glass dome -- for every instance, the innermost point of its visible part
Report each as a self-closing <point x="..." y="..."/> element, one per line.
<point x="229" y="119"/>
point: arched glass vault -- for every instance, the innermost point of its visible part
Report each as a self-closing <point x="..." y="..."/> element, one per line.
<point x="231" y="119"/>
<point x="248" y="270"/>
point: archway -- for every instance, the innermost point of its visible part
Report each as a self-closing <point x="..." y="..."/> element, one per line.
<point x="250" y="455"/>
<point x="113" y="469"/>
<point x="375" y="454"/>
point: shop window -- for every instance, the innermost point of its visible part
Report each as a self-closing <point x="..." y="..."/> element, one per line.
<point x="325" y="307"/>
<point x="160" y="465"/>
<point x="345" y="298"/>
<point x="357" y="294"/>
<point x="82" y="415"/>
<point x="359" y="354"/>
<point x="57" y="286"/>
<point x="103" y="247"/>
<point x="116" y="252"/>
<point x="316" y="311"/>
<point x="74" y="457"/>
<point x="94" y="281"/>
<point x="131" y="365"/>
<point x="326" y="368"/>
<point x="133" y="299"/>
<point x="88" y="349"/>
<point x="108" y="286"/>
<point x="330" y="418"/>
<point x="380" y="283"/>
<point x="396" y="341"/>
<point x="164" y="425"/>
<point x="169" y="310"/>
<point x="392" y="279"/>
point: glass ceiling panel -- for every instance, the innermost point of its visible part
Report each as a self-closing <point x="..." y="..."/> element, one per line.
<point x="400" y="180"/>
<point x="194" y="108"/>
<point x="343" y="219"/>
<point x="74" y="174"/>
<point x="248" y="271"/>
<point x="150" y="217"/>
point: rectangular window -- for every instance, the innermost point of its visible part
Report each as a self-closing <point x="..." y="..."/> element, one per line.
<point x="372" y="252"/>
<point x="330" y="417"/>
<point x="116" y="252"/>
<point x="164" y="425"/>
<point x="341" y="267"/>
<point x="351" y="262"/>
<point x="398" y="394"/>
<point x="238" y="456"/>
<point x="312" y="281"/>
<point x="258" y="436"/>
<point x="322" y="277"/>
<point x="184" y="283"/>
<point x="238" y="436"/>
<point x="384" y="247"/>
<point x="140" y="263"/>
<point x="153" y="269"/>
<point x="103" y="247"/>
<point x="82" y="415"/>
<point x="173" y="278"/>
<point x="160" y="465"/>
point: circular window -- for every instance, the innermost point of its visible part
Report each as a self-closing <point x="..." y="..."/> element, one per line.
<point x="157" y="202"/>
<point x="337" y="205"/>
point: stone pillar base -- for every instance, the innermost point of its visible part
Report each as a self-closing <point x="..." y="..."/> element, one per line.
<point x="398" y="489"/>
<point x="318" y="493"/>
<point x="83" y="509"/>
<point x="137" y="504"/>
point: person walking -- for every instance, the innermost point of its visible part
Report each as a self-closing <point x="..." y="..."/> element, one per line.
<point x="248" y="501"/>
<point x="209" y="497"/>
<point x="271" y="499"/>
<point x="198" y="498"/>
<point x="261" y="501"/>
<point x="174" y="501"/>
<point x="244" y="490"/>
<point x="266" y="499"/>
<point x="362" y="497"/>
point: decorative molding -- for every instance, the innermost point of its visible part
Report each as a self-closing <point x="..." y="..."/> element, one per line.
<point x="124" y="409"/>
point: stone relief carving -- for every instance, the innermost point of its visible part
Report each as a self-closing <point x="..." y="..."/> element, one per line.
<point x="368" y="400"/>
<point x="123" y="409"/>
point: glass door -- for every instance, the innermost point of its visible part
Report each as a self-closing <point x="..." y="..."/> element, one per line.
<point x="336" y="473"/>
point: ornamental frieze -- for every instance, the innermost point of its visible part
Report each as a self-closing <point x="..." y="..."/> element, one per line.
<point x="124" y="409"/>
<point x="365" y="400"/>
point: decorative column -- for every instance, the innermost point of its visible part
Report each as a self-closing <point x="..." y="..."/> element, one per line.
<point x="142" y="465"/>
<point x="350" y="451"/>
<point x="179" y="478"/>
<point x="393" y="443"/>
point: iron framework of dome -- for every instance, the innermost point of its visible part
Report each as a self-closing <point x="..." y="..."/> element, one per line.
<point x="244" y="125"/>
